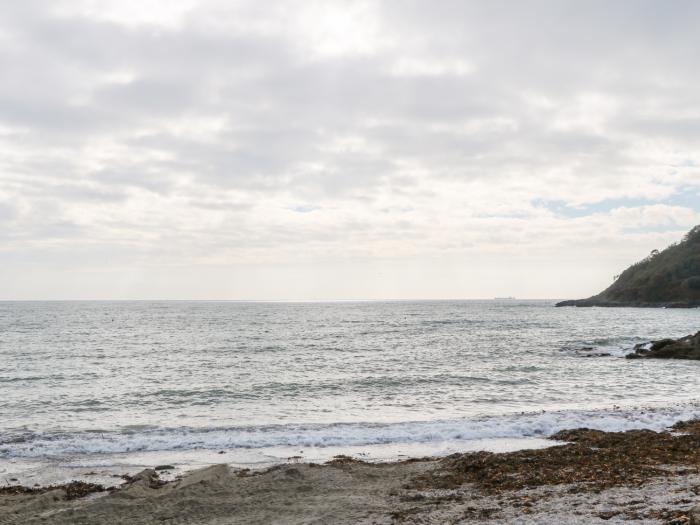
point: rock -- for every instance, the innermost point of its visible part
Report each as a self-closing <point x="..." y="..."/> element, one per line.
<point x="608" y="514"/>
<point x="680" y="520"/>
<point x="147" y="478"/>
<point x="694" y="515"/>
<point x="658" y="345"/>
<point x="165" y="467"/>
<point x="684" y="348"/>
<point x="142" y="485"/>
<point x="215" y="474"/>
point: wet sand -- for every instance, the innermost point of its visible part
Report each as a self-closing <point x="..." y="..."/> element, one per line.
<point x="596" y="477"/>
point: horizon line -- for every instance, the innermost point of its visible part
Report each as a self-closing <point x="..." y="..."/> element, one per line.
<point x="288" y="300"/>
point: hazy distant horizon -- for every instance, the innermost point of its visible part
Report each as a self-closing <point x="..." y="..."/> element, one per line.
<point x="330" y="150"/>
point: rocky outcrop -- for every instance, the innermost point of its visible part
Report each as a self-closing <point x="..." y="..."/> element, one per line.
<point x="670" y="278"/>
<point x="684" y="348"/>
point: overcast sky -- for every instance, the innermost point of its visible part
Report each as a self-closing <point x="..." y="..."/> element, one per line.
<point x="342" y="150"/>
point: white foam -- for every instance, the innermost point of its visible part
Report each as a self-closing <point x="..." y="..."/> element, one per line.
<point x="540" y="424"/>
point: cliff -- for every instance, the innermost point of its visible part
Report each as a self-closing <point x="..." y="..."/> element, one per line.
<point x="670" y="278"/>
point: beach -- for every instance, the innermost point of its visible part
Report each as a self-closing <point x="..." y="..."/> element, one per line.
<point x="588" y="476"/>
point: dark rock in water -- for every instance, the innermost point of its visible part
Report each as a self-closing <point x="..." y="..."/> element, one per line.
<point x="587" y="349"/>
<point x="165" y="467"/>
<point x="684" y="348"/>
<point x="668" y="278"/>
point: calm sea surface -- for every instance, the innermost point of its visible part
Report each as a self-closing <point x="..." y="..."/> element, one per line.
<point x="91" y="378"/>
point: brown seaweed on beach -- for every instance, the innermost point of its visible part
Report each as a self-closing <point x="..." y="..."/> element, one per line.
<point x="342" y="459"/>
<point x="592" y="458"/>
<point x="73" y="490"/>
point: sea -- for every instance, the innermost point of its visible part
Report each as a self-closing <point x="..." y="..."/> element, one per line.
<point x="104" y="388"/>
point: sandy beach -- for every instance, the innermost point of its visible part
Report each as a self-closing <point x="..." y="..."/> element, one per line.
<point x="637" y="476"/>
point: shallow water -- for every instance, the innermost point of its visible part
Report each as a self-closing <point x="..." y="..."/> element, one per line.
<point x="84" y="378"/>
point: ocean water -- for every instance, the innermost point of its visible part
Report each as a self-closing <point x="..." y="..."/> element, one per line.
<point x="260" y="381"/>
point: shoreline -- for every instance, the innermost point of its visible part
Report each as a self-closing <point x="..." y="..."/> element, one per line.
<point x="108" y="469"/>
<point x="499" y="433"/>
<point x="594" y="476"/>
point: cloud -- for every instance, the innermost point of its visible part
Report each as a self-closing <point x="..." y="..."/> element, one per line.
<point x="194" y="133"/>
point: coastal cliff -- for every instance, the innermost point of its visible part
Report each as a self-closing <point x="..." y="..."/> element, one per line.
<point x="668" y="278"/>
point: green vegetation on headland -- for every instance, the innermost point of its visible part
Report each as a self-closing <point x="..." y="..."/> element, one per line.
<point x="668" y="278"/>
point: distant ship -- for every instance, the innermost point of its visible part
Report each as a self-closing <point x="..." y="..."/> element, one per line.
<point x="504" y="298"/>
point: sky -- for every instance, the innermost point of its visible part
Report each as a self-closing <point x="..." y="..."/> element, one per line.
<point x="331" y="150"/>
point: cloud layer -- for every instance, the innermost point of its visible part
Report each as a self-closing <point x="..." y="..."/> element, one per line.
<point x="317" y="149"/>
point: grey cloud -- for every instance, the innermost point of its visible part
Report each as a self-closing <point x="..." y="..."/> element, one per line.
<point x="7" y="212"/>
<point x="102" y="110"/>
<point x="153" y="97"/>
